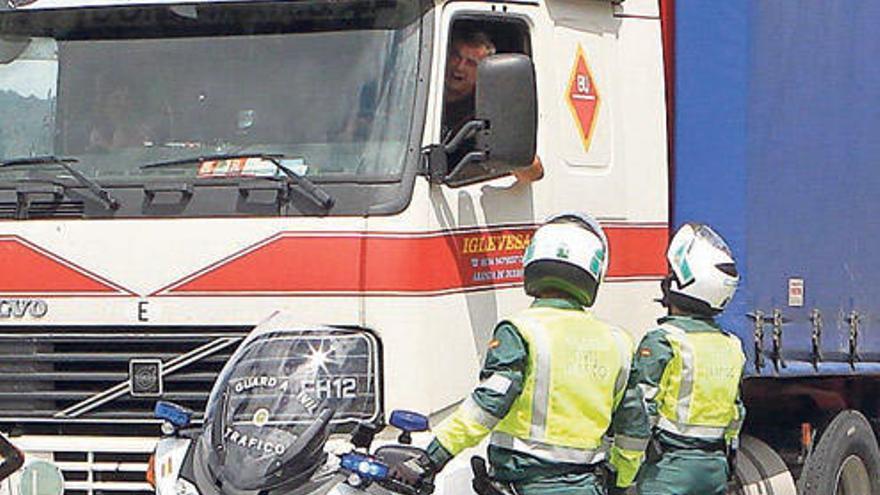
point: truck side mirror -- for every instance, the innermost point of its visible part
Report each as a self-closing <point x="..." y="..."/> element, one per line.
<point x="506" y="120"/>
<point x="409" y="422"/>
<point x="507" y="101"/>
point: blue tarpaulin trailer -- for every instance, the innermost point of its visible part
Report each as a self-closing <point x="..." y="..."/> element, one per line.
<point x="775" y="118"/>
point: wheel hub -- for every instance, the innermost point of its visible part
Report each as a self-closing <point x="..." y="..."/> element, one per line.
<point x="852" y="477"/>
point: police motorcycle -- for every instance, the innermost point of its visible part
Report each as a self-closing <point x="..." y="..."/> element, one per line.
<point x="293" y="412"/>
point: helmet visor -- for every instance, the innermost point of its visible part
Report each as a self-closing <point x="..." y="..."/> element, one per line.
<point x="706" y="233"/>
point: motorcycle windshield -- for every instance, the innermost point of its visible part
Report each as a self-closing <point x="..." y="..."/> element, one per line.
<point x="278" y="398"/>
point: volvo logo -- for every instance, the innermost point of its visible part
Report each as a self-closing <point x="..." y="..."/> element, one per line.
<point x="23" y="308"/>
<point x="145" y="377"/>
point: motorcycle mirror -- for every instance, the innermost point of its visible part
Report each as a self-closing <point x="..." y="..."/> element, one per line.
<point x="409" y="422"/>
<point x="178" y="416"/>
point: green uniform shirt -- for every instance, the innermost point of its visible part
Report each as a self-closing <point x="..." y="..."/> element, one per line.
<point x="508" y="356"/>
<point x="652" y="355"/>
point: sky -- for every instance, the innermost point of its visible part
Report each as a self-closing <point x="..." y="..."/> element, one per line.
<point x="29" y="77"/>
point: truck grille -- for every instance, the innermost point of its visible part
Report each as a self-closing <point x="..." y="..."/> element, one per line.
<point x="82" y="374"/>
<point x="109" y="466"/>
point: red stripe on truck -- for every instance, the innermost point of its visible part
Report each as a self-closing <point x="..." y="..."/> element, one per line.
<point x="347" y="263"/>
<point x="26" y="269"/>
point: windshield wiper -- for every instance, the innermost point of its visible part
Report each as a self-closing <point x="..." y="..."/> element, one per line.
<point x="321" y="197"/>
<point x="65" y="163"/>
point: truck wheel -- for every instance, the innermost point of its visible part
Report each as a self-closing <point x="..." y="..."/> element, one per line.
<point x="760" y="471"/>
<point x="846" y="461"/>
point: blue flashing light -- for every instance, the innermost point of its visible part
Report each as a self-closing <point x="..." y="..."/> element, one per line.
<point x="409" y="421"/>
<point x="367" y="467"/>
<point x="179" y="416"/>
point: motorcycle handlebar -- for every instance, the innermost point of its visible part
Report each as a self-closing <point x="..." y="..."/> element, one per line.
<point x="391" y="473"/>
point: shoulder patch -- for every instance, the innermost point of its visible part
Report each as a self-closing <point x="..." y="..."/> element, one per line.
<point x="494" y="343"/>
<point x="644" y="352"/>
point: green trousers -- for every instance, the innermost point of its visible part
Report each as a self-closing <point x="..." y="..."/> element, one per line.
<point x="684" y="472"/>
<point x="569" y="484"/>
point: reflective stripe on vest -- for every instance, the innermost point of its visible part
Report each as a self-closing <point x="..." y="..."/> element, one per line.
<point x="631" y="443"/>
<point x="554" y="453"/>
<point x="690" y="409"/>
<point x="686" y="386"/>
<point x="497" y="383"/>
<point x="735" y="425"/>
<point x="566" y="403"/>
<point x="473" y="412"/>
<point x="541" y="397"/>
<point x="681" y="429"/>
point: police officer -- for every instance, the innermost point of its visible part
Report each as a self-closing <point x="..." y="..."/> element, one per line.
<point x="689" y="371"/>
<point x="553" y="385"/>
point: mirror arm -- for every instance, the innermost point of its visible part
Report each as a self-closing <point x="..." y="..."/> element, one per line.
<point x="435" y="159"/>
<point x="472" y="157"/>
<point x="467" y="131"/>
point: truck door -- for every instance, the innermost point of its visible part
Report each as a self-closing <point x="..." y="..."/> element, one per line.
<point x="600" y="139"/>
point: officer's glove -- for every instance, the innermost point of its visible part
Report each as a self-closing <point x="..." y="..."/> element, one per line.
<point x="654" y="452"/>
<point x="482" y="482"/>
<point x="410" y="472"/>
<point x="608" y="477"/>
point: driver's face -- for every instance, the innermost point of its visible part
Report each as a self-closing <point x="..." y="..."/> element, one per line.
<point x="461" y="69"/>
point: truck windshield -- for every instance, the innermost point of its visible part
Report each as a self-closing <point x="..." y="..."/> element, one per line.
<point x="328" y="86"/>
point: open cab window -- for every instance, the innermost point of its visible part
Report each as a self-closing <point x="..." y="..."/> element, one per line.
<point x="480" y="107"/>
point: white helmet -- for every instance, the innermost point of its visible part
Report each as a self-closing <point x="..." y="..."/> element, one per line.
<point x="703" y="274"/>
<point x="569" y="253"/>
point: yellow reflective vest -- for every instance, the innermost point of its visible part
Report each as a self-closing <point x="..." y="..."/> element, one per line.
<point x="568" y="395"/>
<point x="700" y="385"/>
<point x="577" y="372"/>
<point x="576" y="375"/>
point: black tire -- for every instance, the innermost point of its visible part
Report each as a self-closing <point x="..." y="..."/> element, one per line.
<point x="760" y="470"/>
<point x="846" y="461"/>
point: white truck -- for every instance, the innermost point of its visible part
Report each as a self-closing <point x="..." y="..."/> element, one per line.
<point x="173" y="173"/>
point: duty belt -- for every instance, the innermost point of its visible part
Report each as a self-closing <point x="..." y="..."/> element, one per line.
<point x="656" y="449"/>
<point x="484" y="484"/>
